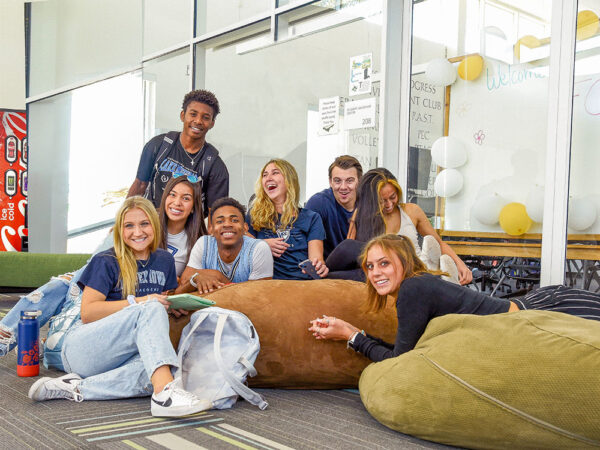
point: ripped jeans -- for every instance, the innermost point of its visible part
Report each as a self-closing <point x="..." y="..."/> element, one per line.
<point x="49" y="299"/>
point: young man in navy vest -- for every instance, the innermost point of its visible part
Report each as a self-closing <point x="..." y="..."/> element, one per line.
<point x="336" y="204"/>
<point x="186" y="153"/>
<point x="227" y="256"/>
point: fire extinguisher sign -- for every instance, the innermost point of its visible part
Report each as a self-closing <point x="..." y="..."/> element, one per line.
<point x="13" y="178"/>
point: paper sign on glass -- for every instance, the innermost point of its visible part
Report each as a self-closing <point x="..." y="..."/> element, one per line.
<point x="360" y="74"/>
<point x="329" y="115"/>
<point x="360" y="113"/>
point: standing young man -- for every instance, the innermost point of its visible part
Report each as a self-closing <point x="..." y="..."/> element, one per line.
<point x="336" y="204"/>
<point x="184" y="153"/>
<point x="228" y="255"/>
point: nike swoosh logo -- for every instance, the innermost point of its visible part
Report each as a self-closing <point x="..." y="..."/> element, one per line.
<point x="69" y="380"/>
<point x="166" y="403"/>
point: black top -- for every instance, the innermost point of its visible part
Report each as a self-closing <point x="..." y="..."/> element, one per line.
<point x="420" y="299"/>
<point x="206" y="165"/>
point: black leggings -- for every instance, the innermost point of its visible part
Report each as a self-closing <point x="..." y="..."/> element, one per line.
<point x="343" y="261"/>
<point x="575" y="302"/>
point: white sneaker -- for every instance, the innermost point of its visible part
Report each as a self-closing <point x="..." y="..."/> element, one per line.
<point x="174" y="401"/>
<point x="448" y="265"/>
<point x="431" y="252"/>
<point x="47" y="388"/>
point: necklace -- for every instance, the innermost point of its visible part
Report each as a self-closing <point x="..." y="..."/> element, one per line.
<point x="193" y="160"/>
<point x="144" y="264"/>
<point x="231" y="274"/>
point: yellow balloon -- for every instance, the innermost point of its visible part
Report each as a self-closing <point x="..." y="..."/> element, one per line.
<point x="470" y="67"/>
<point x="587" y="24"/>
<point x="514" y="219"/>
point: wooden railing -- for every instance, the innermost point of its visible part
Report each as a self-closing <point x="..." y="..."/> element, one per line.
<point x="579" y="246"/>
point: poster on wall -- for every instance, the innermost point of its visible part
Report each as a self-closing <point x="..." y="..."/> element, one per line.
<point x="360" y="74"/>
<point x="13" y="178"/>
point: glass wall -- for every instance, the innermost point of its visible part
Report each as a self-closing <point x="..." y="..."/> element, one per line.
<point x="213" y="15"/>
<point x="165" y="24"/>
<point x="166" y="81"/>
<point x="478" y="120"/>
<point x="324" y="53"/>
<point x="301" y="80"/>
<point x="77" y="40"/>
<point x="269" y="94"/>
<point x="91" y="138"/>
<point x="583" y="250"/>
<point x="105" y="145"/>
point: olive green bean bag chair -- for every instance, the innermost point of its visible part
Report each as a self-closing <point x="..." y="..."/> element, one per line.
<point x="290" y="357"/>
<point x="529" y="379"/>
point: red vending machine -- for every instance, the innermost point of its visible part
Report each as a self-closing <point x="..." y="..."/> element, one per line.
<point x="13" y="179"/>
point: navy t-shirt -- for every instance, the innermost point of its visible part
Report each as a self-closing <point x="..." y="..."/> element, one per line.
<point x="214" y="181"/>
<point x="155" y="275"/>
<point x="308" y="227"/>
<point x="336" y="218"/>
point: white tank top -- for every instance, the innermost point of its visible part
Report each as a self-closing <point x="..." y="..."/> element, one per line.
<point x="408" y="229"/>
<point x="177" y="245"/>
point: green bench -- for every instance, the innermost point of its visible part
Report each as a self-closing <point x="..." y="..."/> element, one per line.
<point x="31" y="270"/>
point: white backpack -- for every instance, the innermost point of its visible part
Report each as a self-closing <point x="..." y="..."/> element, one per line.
<point x="216" y="354"/>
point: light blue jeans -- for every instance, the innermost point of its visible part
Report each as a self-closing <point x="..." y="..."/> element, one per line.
<point x="49" y="299"/>
<point x="118" y="354"/>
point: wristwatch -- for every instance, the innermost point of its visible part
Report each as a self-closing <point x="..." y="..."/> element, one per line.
<point x="350" y="343"/>
<point x="131" y="299"/>
<point x="192" y="282"/>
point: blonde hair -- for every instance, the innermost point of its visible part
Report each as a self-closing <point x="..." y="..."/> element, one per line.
<point x="262" y="211"/>
<point x="125" y="258"/>
<point x="404" y="249"/>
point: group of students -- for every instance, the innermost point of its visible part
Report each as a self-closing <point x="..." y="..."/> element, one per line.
<point x="357" y="229"/>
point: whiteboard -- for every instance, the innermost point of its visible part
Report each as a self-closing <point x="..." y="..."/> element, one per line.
<point x="502" y="119"/>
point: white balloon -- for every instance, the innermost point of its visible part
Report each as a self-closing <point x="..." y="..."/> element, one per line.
<point x="534" y="204"/>
<point x="487" y="209"/>
<point x="449" y="182"/>
<point x="441" y="72"/>
<point x="448" y="152"/>
<point x="582" y="214"/>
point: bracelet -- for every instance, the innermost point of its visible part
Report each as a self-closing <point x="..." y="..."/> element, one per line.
<point x="131" y="299"/>
<point x="192" y="282"/>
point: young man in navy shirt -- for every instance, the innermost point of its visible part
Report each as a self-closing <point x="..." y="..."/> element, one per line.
<point x="184" y="153"/>
<point x="336" y="204"/>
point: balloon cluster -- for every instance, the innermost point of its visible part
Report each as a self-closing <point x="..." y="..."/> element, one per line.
<point x="441" y="72"/>
<point x="517" y="218"/>
<point x="448" y="152"/>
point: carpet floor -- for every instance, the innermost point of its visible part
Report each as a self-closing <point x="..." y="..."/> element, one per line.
<point x="301" y="419"/>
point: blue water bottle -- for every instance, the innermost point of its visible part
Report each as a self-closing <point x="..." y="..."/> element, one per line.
<point x="28" y="362"/>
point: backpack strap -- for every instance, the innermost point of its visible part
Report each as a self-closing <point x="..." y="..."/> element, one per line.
<point x="158" y="155"/>
<point x="208" y="159"/>
<point x="182" y="345"/>
<point x="241" y="389"/>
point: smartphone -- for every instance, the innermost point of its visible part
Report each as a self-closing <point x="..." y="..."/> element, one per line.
<point x="310" y="270"/>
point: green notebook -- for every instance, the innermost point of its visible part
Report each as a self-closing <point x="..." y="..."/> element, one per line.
<point x="189" y="302"/>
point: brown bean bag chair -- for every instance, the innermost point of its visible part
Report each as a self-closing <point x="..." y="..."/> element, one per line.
<point x="290" y="357"/>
